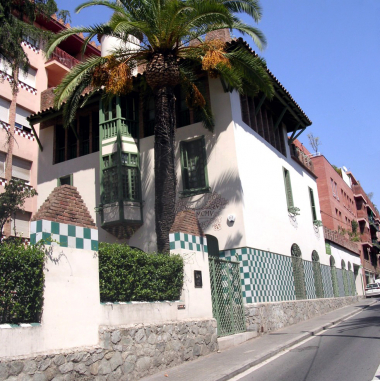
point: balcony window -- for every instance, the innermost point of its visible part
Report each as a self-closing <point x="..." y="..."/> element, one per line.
<point x="194" y="166"/>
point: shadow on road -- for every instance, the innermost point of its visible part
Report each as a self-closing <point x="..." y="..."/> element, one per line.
<point x="358" y="323"/>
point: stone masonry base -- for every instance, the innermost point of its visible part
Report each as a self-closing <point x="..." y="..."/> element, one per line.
<point x="267" y="317"/>
<point x="123" y="353"/>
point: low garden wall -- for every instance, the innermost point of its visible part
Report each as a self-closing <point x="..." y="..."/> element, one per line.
<point x="267" y="317"/>
<point x="123" y="353"/>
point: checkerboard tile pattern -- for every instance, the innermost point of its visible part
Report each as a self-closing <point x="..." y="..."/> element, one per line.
<point x="24" y="134"/>
<point x="309" y="280"/>
<point x="64" y="235"/>
<point x="21" y="84"/>
<point x="187" y="242"/>
<point x="340" y="282"/>
<point x="326" y="280"/>
<point x="265" y="276"/>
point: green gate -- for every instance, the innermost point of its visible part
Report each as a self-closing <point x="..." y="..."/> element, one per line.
<point x="227" y="300"/>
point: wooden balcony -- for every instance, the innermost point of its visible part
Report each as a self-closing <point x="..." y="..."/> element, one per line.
<point x="58" y="65"/>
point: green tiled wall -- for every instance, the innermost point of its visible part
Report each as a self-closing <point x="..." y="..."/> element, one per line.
<point x="64" y="235"/>
<point x="265" y="276"/>
<point x="187" y="242"/>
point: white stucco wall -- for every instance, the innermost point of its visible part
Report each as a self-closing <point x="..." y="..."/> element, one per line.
<point x="267" y="222"/>
<point x="222" y="172"/>
<point x="340" y="253"/>
<point x="71" y="306"/>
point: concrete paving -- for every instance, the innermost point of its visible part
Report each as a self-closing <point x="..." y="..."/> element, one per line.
<point x="226" y="364"/>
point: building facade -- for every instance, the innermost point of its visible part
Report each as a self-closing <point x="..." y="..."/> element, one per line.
<point x="252" y="191"/>
<point x="42" y="74"/>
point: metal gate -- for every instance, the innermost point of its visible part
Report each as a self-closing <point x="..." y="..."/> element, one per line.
<point x="227" y="300"/>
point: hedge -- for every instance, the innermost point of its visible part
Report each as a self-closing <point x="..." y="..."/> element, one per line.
<point x="127" y="274"/>
<point x="21" y="283"/>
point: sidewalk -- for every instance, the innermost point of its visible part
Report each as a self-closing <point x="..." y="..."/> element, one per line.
<point x="227" y="364"/>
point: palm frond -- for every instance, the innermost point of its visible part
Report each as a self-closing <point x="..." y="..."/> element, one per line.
<point x="73" y="79"/>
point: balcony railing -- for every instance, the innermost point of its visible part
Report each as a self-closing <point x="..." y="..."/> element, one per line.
<point x="301" y="158"/>
<point x="64" y="58"/>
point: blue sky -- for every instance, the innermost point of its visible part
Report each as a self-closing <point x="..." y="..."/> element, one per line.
<point x="327" y="55"/>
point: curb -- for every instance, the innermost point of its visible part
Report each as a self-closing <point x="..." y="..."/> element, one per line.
<point x="288" y="345"/>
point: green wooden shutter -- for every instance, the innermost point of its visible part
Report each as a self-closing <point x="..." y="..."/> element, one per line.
<point x="313" y="210"/>
<point x="288" y="189"/>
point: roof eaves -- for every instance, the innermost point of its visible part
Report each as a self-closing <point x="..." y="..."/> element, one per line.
<point x="279" y="85"/>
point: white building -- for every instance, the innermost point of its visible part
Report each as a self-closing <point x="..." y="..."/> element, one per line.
<point x="253" y="192"/>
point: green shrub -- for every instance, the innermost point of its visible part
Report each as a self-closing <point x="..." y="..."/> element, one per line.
<point x="21" y="283"/>
<point x="127" y="274"/>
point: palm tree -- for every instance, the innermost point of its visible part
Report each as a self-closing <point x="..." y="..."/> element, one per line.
<point x="166" y="37"/>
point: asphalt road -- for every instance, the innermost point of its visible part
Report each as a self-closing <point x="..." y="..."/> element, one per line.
<point x="349" y="351"/>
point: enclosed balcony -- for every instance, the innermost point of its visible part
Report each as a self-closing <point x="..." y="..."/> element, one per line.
<point x="58" y="65"/>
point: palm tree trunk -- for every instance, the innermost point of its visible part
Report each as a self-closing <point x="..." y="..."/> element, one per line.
<point x="11" y="139"/>
<point x="164" y="165"/>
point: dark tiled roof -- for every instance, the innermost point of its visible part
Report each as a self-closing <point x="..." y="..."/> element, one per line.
<point x="274" y="78"/>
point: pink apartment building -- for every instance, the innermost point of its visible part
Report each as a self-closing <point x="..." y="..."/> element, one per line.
<point x="43" y="75"/>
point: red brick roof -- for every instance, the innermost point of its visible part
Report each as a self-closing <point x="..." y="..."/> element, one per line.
<point x="65" y="205"/>
<point x="187" y="222"/>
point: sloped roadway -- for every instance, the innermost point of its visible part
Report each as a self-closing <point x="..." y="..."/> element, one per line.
<point x="349" y="351"/>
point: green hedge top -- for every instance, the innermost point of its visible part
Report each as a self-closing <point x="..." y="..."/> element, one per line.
<point x="127" y="274"/>
<point x="21" y="283"/>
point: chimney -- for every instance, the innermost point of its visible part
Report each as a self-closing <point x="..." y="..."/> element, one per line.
<point x="221" y="34"/>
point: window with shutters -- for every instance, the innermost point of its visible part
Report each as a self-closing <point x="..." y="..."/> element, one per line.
<point x="21" y="168"/>
<point x="312" y="204"/>
<point x="3" y="157"/>
<point x="21" y="119"/>
<point x="29" y="78"/>
<point x="129" y="177"/>
<point x="4" y="110"/>
<point x="20" y="224"/>
<point x="194" y="167"/>
<point x="288" y="189"/>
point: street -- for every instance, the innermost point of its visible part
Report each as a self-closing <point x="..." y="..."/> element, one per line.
<point x="349" y="351"/>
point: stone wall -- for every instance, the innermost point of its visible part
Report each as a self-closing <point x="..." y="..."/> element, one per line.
<point x="267" y="317"/>
<point x="123" y="353"/>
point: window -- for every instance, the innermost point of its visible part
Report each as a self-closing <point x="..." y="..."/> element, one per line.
<point x="3" y="157"/>
<point x="21" y="168"/>
<point x="149" y="116"/>
<point x="183" y="112"/>
<point x="20" y="224"/>
<point x="29" y="78"/>
<point x="84" y="135"/>
<point x="130" y="184"/>
<point x="65" y="180"/>
<point x="67" y="146"/>
<point x="288" y="189"/>
<point x="21" y="121"/>
<point x="4" y="110"/>
<point x="32" y="41"/>
<point x="194" y="166"/>
<point x="312" y="203"/>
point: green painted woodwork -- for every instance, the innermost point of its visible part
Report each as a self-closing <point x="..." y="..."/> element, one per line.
<point x="279" y="119"/>
<point x="226" y="296"/>
<point x="298" y="272"/>
<point x="318" y="284"/>
<point x="261" y="102"/>
<point x="312" y="203"/>
<point x="194" y="167"/>
<point x="328" y="248"/>
<point x="288" y="188"/>
<point x="120" y="170"/>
